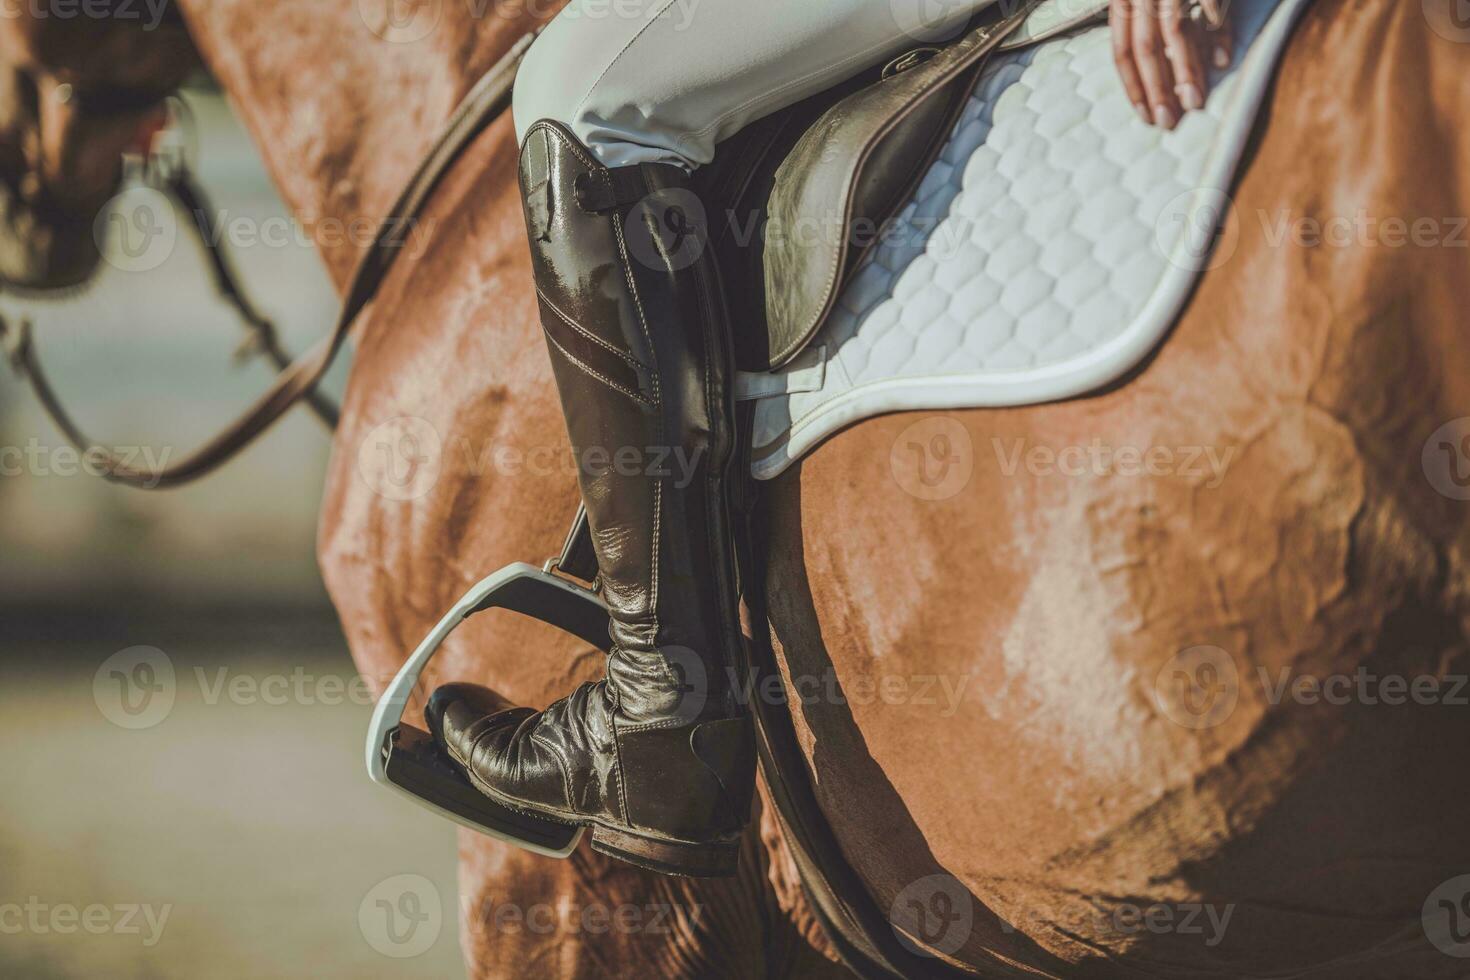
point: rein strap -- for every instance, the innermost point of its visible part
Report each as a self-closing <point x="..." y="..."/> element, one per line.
<point x="484" y="103"/>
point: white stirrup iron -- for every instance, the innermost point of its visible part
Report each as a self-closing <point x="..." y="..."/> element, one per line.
<point x="407" y="760"/>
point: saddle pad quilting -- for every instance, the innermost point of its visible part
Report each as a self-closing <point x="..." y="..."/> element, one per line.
<point x="1046" y="252"/>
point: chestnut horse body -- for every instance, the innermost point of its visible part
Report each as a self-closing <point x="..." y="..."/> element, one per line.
<point x="998" y="707"/>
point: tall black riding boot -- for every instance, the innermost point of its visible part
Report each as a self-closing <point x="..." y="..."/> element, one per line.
<point x="658" y="758"/>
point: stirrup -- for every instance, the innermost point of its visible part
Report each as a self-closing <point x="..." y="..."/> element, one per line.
<point x="407" y="760"/>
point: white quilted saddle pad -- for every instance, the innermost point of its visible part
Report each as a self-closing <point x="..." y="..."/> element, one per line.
<point x="1046" y="253"/>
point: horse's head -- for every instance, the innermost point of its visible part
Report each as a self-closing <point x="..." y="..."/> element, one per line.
<point x="81" y="86"/>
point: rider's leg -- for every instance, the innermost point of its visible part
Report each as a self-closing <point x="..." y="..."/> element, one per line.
<point x="663" y="81"/>
<point x="657" y="758"/>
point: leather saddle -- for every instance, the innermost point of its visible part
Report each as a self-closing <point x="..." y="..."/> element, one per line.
<point x="807" y="191"/>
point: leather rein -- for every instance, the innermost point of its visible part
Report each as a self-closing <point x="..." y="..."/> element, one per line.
<point x="297" y="380"/>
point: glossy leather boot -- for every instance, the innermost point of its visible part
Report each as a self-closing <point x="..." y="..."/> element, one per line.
<point x="658" y="758"/>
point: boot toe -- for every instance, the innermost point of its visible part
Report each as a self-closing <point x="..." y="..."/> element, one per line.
<point x="455" y="708"/>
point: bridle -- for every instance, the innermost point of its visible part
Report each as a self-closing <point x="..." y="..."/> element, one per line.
<point x="176" y="181"/>
<point x="297" y="380"/>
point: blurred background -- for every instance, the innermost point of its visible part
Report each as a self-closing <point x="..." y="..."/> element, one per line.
<point x="184" y="791"/>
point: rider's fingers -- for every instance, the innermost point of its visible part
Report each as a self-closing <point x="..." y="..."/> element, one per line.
<point x="1179" y="48"/>
<point x="1153" y="65"/>
<point x="1217" y="41"/>
<point x="1120" y="19"/>
<point x="1213" y="33"/>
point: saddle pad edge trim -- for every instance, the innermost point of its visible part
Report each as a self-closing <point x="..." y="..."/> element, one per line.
<point x="1078" y="376"/>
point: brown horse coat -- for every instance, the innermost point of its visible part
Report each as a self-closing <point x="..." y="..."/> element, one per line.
<point x="1058" y="792"/>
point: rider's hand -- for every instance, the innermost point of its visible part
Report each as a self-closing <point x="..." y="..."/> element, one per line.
<point x="1163" y="56"/>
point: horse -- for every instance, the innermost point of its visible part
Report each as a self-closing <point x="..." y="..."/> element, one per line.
<point x="999" y="731"/>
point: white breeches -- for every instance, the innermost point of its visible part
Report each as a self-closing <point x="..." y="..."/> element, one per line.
<point x="663" y="81"/>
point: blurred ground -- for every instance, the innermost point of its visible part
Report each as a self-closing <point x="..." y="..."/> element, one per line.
<point x="244" y="816"/>
<point x="231" y="831"/>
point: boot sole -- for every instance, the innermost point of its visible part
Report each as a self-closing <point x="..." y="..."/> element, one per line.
<point x="717" y="859"/>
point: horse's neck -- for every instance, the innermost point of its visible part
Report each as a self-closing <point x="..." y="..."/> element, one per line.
<point x="341" y="106"/>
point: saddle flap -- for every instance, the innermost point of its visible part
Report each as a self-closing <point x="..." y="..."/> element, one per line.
<point x="850" y="172"/>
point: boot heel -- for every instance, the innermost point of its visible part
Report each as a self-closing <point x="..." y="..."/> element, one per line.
<point x="717" y="859"/>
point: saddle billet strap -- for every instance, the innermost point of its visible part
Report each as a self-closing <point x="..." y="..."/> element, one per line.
<point x="484" y="103"/>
